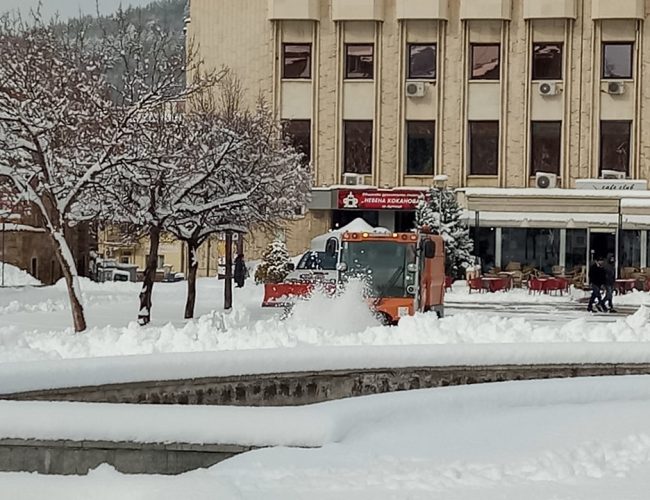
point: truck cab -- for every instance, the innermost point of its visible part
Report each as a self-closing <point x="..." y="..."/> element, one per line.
<point x="404" y="272"/>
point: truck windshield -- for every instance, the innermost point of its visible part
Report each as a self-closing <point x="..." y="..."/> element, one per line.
<point x="322" y="261"/>
<point x="382" y="264"/>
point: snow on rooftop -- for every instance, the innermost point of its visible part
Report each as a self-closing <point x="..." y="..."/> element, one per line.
<point x="556" y="192"/>
<point x="358" y="225"/>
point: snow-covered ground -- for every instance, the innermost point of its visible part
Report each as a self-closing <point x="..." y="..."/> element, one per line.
<point x="322" y="333"/>
<point x="575" y="439"/>
<point x="566" y="439"/>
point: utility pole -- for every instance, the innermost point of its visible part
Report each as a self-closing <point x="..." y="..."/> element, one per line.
<point x="227" y="303"/>
<point x="2" y="279"/>
<point x="207" y="273"/>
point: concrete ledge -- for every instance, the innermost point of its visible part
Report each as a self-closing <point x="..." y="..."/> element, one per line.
<point x="300" y="388"/>
<point x="65" y="457"/>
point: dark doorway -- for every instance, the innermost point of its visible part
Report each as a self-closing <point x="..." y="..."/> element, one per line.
<point x="602" y="244"/>
<point x="404" y="222"/>
<point x="342" y="218"/>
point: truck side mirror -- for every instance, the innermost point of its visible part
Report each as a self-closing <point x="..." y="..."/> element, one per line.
<point x="332" y="247"/>
<point x="291" y="266"/>
<point x="429" y="249"/>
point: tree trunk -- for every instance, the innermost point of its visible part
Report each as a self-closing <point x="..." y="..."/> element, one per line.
<point x="144" y="316"/>
<point x="227" y="298"/>
<point x="69" y="270"/>
<point x="192" y="267"/>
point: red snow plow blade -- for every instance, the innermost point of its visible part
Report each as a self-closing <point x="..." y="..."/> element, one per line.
<point x="285" y="294"/>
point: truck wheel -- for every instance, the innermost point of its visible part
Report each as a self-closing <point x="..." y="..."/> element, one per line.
<point x="287" y="310"/>
<point x="384" y="319"/>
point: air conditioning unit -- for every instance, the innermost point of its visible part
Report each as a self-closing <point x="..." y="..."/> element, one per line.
<point x="545" y="180"/>
<point x="415" y="89"/>
<point x="612" y="174"/>
<point x="353" y="179"/>
<point x="616" y="88"/>
<point x="548" y="89"/>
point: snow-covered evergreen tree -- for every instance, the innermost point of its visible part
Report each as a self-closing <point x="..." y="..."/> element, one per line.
<point x="441" y="213"/>
<point x="275" y="263"/>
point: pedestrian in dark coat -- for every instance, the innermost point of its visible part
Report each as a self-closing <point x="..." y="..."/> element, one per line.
<point x="610" y="280"/>
<point x="597" y="278"/>
<point x="240" y="271"/>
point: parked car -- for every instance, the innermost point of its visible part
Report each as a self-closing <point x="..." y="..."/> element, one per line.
<point x="111" y="270"/>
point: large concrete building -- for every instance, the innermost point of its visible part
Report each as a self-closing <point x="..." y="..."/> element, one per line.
<point x="537" y="111"/>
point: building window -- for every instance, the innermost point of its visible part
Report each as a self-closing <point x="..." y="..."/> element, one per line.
<point x="359" y="62"/>
<point x="615" y="145"/>
<point x="630" y="249"/>
<point x="576" y="249"/>
<point x="547" y="61"/>
<point x="483" y="148"/>
<point x="485" y="62"/>
<point x="422" y="61"/>
<point x="545" y="147"/>
<point x="296" y="61"/>
<point x="298" y="133"/>
<point x="34" y="267"/>
<point x="484" y="246"/>
<point x="161" y="262"/>
<point x="617" y="60"/>
<point x="536" y="248"/>
<point x="419" y="147"/>
<point x="357" y="146"/>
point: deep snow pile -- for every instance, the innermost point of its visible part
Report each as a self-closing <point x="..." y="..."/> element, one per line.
<point x="321" y="321"/>
<point x="17" y="277"/>
<point x="586" y="439"/>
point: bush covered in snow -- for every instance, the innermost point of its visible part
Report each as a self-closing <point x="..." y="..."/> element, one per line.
<point x="275" y="263"/>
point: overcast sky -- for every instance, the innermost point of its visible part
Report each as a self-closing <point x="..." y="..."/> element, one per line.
<point x="68" y="8"/>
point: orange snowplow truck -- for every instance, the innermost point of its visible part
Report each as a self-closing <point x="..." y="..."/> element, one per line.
<point x="405" y="272"/>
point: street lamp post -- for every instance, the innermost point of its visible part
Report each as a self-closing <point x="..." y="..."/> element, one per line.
<point x="440" y="181"/>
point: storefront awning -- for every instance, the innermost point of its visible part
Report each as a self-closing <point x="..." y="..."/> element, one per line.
<point x="556" y="220"/>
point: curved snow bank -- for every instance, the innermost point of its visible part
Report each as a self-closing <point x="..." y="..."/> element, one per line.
<point x="15" y="276"/>
<point x="541" y="440"/>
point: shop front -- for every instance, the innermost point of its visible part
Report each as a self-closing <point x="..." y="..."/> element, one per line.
<point x="393" y="209"/>
<point x="557" y="230"/>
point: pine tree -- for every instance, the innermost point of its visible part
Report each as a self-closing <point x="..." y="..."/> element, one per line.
<point x="275" y="263"/>
<point x="441" y="214"/>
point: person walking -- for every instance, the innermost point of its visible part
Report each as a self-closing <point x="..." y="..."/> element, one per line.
<point x="240" y="270"/>
<point x="610" y="280"/>
<point x="597" y="278"/>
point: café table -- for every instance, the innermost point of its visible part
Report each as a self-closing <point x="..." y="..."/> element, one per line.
<point x="623" y="286"/>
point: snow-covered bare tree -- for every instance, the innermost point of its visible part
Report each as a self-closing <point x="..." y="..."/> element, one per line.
<point x="440" y="212"/>
<point x="66" y="132"/>
<point x="152" y="64"/>
<point x="176" y="187"/>
<point x="234" y="171"/>
<point x="58" y="134"/>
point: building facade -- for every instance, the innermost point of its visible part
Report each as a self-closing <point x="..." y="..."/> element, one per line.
<point x="536" y="111"/>
<point x="25" y="245"/>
